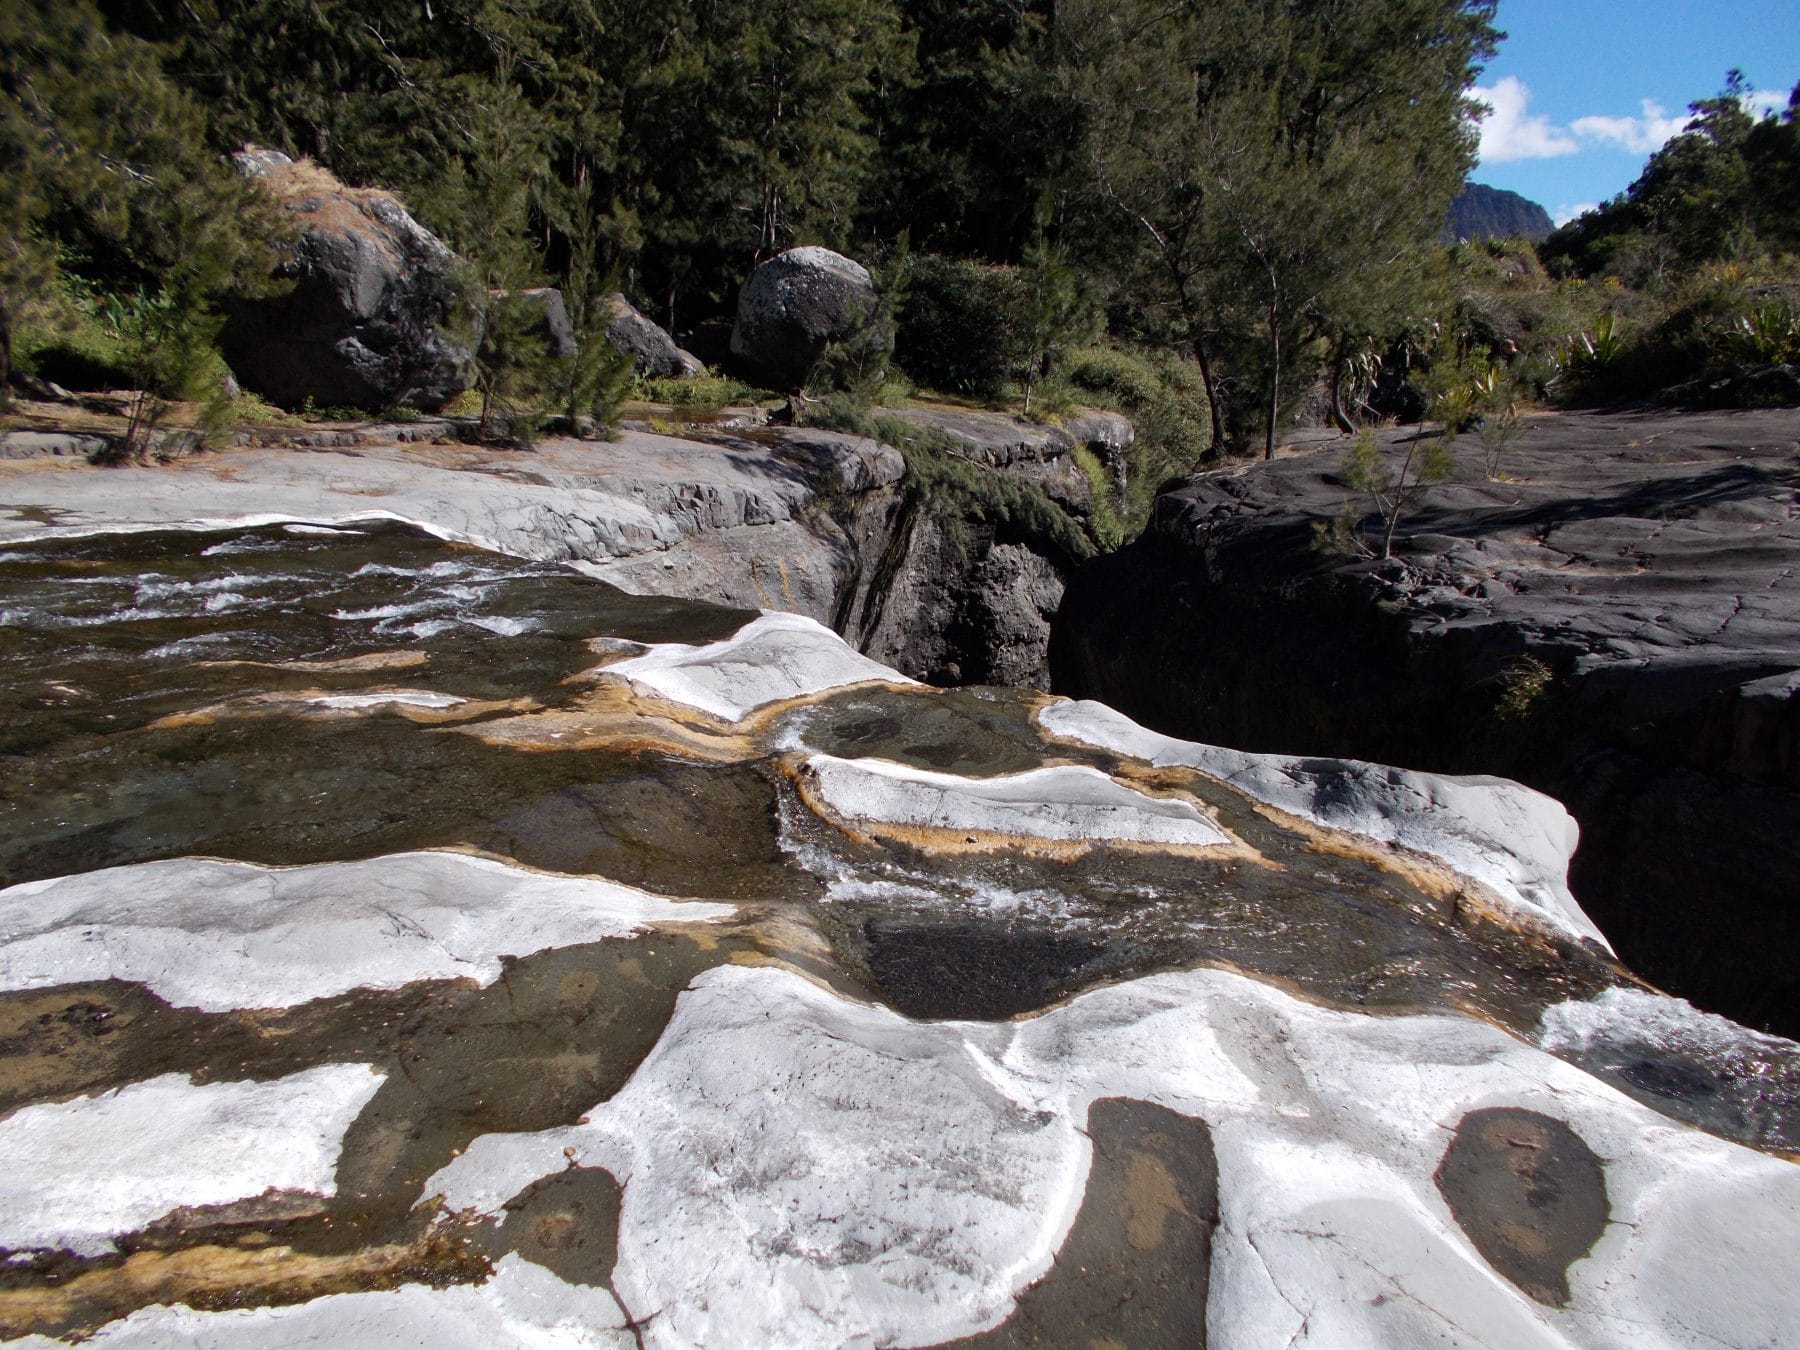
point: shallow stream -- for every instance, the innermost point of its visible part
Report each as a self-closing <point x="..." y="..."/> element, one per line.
<point x="287" y="695"/>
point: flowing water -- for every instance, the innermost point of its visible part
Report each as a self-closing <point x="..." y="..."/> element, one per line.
<point x="294" y="694"/>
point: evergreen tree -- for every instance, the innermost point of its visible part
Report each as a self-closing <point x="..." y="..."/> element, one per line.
<point x="1727" y="186"/>
<point x="107" y="162"/>
<point x="767" y="106"/>
<point x="1248" y="153"/>
<point x="970" y="143"/>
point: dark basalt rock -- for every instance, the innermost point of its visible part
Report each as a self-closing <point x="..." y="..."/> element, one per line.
<point x="1617" y="624"/>
<point x="933" y="970"/>
<point x="1530" y="1194"/>
<point x="797" y="304"/>
<point x="967" y="600"/>
<point x="364" y="323"/>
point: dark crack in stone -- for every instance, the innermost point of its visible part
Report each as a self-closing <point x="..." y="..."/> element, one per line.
<point x="1134" y="1269"/>
<point x="1530" y="1194"/>
<point x="963" y="971"/>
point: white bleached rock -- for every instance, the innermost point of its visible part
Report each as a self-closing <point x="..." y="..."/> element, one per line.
<point x="1514" y="840"/>
<point x="1067" y="803"/>
<point x="775" y="658"/>
<point x="409" y="698"/>
<point x="806" y="1171"/>
<point x="803" y="1171"/>
<point x="221" y="935"/>
<point x="522" y="1305"/>
<point x="82" y="1172"/>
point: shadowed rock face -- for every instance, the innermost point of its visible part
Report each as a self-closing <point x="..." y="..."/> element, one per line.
<point x="652" y="350"/>
<point x="1617" y="623"/>
<point x="664" y="973"/>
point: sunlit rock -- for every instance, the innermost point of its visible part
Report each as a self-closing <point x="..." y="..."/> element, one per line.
<point x="1517" y="841"/>
<point x="80" y="1173"/>
<point x="221" y="935"/>
<point x="1072" y="805"/>
<point x="800" y="1168"/>
<point x="776" y="658"/>
<point x="703" y="981"/>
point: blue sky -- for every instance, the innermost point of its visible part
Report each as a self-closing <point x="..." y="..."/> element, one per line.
<point x="1584" y="90"/>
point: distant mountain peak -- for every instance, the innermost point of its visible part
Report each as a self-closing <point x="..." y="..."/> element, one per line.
<point x="1482" y="212"/>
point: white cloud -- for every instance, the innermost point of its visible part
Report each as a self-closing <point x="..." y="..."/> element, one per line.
<point x="1765" y="101"/>
<point x="1564" y="214"/>
<point x="1640" y="135"/>
<point x="1509" y="132"/>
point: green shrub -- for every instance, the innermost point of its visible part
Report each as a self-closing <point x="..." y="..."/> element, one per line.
<point x="962" y="326"/>
<point x="1165" y="399"/>
<point x="64" y="336"/>
<point x="953" y="487"/>
<point x="1766" y="334"/>
<point x="1708" y="328"/>
<point x="1104" y="521"/>
<point x="703" y="391"/>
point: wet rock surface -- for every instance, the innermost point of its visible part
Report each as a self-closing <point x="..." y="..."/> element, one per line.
<point x="1133" y="1270"/>
<point x="1530" y="1194"/>
<point x="746" y="992"/>
<point x="1616" y="623"/>
<point x="798" y="519"/>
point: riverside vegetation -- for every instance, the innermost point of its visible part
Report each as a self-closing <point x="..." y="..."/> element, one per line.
<point x="1180" y="211"/>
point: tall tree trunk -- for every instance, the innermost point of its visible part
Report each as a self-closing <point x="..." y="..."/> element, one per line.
<point x="1274" y="379"/>
<point x="5" y="356"/>
<point x="1190" y="318"/>
<point x="1212" y="397"/>
<point x="1338" y="415"/>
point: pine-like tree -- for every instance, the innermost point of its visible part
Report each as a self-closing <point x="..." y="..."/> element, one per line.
<point x="107" y="160"/>
<point x="1247" y="151"/>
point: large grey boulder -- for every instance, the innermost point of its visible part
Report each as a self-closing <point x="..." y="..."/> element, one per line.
<point x="363" y="324"/>
<point x="797" y="304"/>
<point x="653" y="350"/>
<point x="548" y="320"/>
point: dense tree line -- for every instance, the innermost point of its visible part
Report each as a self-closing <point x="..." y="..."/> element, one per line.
<point x="1244" y="180"/>
<point x="1727" y="188"/>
